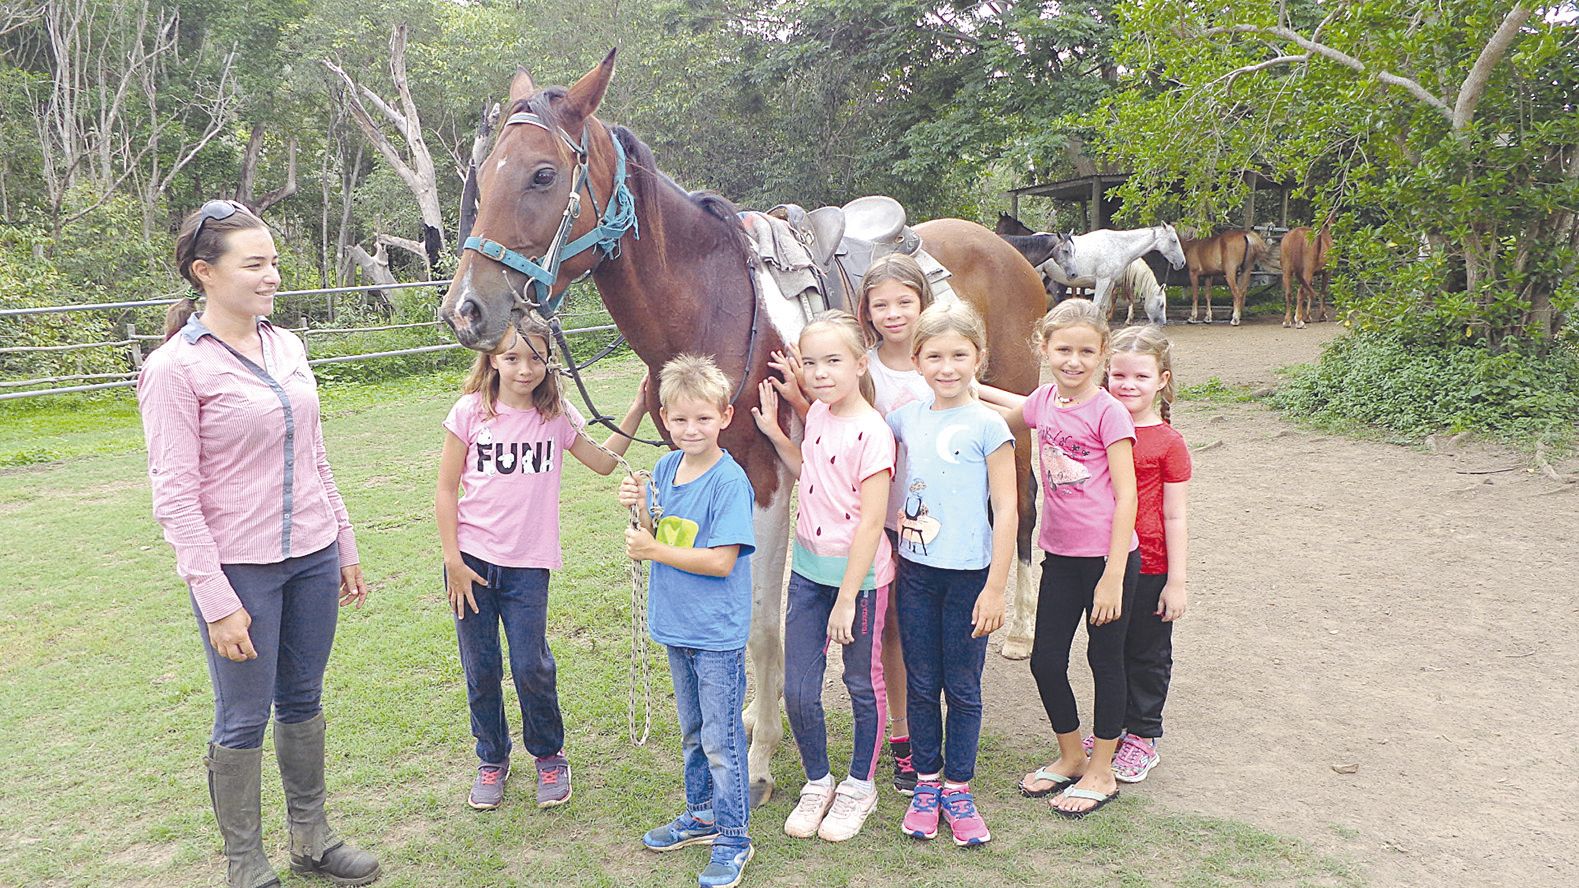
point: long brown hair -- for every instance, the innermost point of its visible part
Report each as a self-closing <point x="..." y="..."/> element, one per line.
<point x="208" y="240"/>
<point x="900" y="269"/>
<point x="1149" y="340"/>
<point x="483" y="380"/>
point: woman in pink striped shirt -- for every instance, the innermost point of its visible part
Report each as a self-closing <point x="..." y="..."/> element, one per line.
<point x="242" y="488"/>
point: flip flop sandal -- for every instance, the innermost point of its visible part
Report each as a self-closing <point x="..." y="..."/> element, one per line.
<point x="1059" y="781"/>
<point x="1088" y="795"/>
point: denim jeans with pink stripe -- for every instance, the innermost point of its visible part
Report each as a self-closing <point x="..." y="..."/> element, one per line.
<point x="806" y="661"/>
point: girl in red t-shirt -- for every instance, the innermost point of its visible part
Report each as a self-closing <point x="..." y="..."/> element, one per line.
<point x="1140" y="376"/>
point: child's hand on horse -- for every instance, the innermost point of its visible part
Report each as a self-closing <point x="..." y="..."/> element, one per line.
<point x="766" y="413"/>
<point x="458" y="581"/>
<point x="987" y="616"/>
<point x="639" y="544"/>
<point x="787" y="363"/>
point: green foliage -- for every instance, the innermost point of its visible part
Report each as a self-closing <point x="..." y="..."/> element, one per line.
<point x="1415" y="389"/>
<point x="1443" y="225"/>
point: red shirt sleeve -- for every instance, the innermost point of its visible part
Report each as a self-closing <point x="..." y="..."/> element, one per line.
<point x="1176" y="465"/>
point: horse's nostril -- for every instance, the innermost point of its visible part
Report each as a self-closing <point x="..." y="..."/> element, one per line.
<point x="468" y="309"/>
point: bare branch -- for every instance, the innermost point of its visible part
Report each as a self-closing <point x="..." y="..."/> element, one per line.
<point x="1474" y="87"/>
<point x="1339" y="56"/>
<point x="406" y="244"/>
<point x="1228" y="79"/>
<point x="286" y="190"/>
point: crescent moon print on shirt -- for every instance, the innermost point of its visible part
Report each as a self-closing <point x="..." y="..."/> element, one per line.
<point x="1061" y="471"/>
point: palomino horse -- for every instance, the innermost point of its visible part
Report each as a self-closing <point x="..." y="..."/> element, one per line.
<point x="1100" y="258"/>
<point x="1139" y="283"/>
<point x="674" y="270"/>
<point x="1231" y="255"/>
<point x="1304" y="255"/>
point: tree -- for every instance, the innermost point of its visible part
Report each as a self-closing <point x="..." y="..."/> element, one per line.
<point x="1442" y="134"/>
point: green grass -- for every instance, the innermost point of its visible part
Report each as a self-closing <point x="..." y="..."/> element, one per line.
<point x="107" y="703"/>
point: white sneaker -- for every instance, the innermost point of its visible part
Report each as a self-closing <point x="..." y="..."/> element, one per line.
<point x="815" y="799"/>
<point x="848" y="813"/>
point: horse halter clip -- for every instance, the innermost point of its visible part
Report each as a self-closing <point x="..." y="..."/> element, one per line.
<point x="618" y="217"/>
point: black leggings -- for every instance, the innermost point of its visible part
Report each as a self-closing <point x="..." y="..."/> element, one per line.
<point x="1068" y="585"/>
<point x="1148" y="660"/>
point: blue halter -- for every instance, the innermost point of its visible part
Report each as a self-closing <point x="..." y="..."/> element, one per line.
<point x="617" y="218"/>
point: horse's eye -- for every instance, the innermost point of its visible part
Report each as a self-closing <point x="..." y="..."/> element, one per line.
<point x="544" y="176"/>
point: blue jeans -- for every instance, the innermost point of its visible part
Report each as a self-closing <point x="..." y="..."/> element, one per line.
<point x="935" y="607"/>
<point x="293" y="605"/>
<point x="518" y="598"/>
<point x="806" y="661"/>
<point x="709" y="692"/>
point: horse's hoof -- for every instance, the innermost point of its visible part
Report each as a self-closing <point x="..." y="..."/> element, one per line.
<point x="1233" y="322"/>
<point x="1207" y="320"/>
<point x="1192" y="319"/>
<point x="1015" y="649"/>
<point x="761" y="791"/>
<point x="1287" y="324"/>
<point x="1298" y="326"/>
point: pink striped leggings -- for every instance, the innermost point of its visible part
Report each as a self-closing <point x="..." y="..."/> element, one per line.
<point x="806" y="661"/>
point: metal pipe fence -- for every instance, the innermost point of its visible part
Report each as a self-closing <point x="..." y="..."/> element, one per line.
<point x="133" y="340"/>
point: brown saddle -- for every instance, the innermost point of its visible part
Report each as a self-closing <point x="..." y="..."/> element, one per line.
<point x="845" y="241"/>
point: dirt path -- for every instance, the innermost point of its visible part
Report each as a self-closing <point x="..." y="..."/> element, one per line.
<point x="1359" y="603"/>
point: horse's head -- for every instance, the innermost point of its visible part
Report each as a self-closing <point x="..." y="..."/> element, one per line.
<point x="1168" y="245"/>
<point x="1063" y="251"/>
<point x="1007" y="224"/>
<point x="524" y="188"/>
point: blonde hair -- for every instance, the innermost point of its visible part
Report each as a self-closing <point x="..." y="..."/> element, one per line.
<point x="900" y="269"/>
<point x="693" y="378"/>
<point x="849" y="330"/>
<point x="1071" y="313"/>
<point x="958" y="318"/>
<point x="483" y="380"/>
<point x="1149" y="340"/>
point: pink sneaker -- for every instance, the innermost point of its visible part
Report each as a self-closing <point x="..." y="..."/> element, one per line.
<point x="959" y="809"/>
<point x="921" y="819"/>
<point x="1135" y="758"/>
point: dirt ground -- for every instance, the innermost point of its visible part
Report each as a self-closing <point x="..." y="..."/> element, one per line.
<point x="1411" y="612"/>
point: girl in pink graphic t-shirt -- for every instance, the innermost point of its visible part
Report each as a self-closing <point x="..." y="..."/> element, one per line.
<point x="504" y="448"/>
<point x="842" y="567"/>
<point x="1088" y="531"/>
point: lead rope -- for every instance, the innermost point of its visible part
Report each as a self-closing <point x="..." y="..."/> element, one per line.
<point x="640" y="660"/>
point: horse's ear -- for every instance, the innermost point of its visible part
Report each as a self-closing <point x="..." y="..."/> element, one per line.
<point x="521" y="86"/>
<point x="582" y="99"/>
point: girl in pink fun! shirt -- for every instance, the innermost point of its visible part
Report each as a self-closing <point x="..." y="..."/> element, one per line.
<point x="505" y="446"/>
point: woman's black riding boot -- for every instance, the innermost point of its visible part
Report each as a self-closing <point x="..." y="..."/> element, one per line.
<point x="315" y="849"/>
<point x="234" y="785"/>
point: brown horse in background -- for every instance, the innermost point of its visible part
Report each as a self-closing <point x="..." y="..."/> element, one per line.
<point x="682" y="283"/>
<point x="1231" y="255"/>
<point x="1304" y="256"/>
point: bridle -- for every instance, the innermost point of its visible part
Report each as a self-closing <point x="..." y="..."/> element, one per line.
<point x="617" y="218"/>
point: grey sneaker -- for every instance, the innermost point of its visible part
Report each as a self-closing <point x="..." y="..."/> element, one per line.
<point x="488" y="789"/>
<point x="553" y="780"/>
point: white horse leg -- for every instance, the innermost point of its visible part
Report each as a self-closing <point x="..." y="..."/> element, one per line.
<point x="1020" y="631"/>
<point x="766" y="644"/>
<point x="1102" y="292"/>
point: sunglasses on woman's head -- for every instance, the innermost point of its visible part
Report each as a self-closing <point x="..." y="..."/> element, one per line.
<point x="218" y="210"/>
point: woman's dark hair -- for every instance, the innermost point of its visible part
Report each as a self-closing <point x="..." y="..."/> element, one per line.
<point x="203" y="235"/>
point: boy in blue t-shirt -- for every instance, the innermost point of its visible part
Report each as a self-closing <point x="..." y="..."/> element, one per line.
<point x="699" y="607"/>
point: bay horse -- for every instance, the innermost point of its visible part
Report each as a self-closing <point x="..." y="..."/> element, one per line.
<point x="1231" y="255"/>
<point x="1304" y="256"/>
<point x="676" y="277"/>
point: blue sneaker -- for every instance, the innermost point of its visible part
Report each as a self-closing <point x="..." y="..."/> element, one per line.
<point x="682" y="831"/>
<point x="727" y="867"/>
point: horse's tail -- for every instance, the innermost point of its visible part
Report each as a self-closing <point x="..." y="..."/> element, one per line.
<point x="1255" y="250"/>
